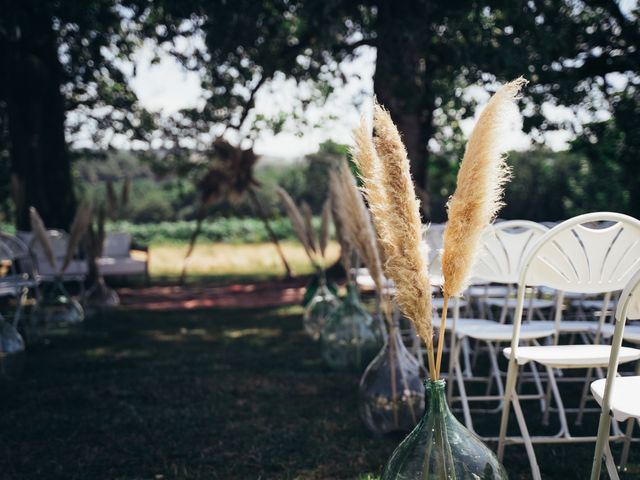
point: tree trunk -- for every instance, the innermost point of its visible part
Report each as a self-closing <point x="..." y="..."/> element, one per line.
<point x="401" y="84"/>
<point x="40" y="166"/>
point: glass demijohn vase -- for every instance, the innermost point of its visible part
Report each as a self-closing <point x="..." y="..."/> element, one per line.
<point x="56" y="309"/>
<point x="323" y="304"/>
<point x="11" y="350"/>
<point x="440" y="447"/>
<point x="391" y="395"/>
<point x="350" y="339"/>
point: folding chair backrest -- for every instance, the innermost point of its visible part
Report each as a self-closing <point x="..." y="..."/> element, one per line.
<point x="591" y="253"/>
<point x="117" y="245"/>
<point x="20" y="254"/>
<point x="629" y="302"/>
<point x="504" y="247"/>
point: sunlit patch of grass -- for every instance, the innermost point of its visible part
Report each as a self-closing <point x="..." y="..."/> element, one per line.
<point x="222" y="259"/>
<point x="261" y="332"/>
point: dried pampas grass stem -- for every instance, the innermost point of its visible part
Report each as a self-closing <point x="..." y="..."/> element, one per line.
<point x="324" y="227"/>
<point x="41" y="236"/>
<point x="76" y="233"/>
<point x="298" y="223"/>
<point x="396" y="211"/>
<point x="339" y="222"/>
<point x="357" y="223"/>
<point x="478" y="196"/>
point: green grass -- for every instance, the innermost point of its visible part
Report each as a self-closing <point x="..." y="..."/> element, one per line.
<point x="209" y="394"/>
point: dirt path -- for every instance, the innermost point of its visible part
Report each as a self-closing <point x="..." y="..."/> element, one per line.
<point x="237" y="295"/>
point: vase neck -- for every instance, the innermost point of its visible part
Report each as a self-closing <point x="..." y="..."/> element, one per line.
<point x="437" y="398"/>
<point x="352" y="292"/>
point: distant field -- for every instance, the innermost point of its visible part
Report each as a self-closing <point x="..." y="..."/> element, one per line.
<point x="225" y="260"/>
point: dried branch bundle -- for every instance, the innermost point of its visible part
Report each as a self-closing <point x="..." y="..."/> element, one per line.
<point x="478" y="196"/>
<point x="41" y="236"/>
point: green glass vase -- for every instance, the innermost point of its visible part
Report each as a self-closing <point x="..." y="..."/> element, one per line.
<point x="320" y="307"/>
<point x="11" y="350"/>
<point x="350" y="339"/>
<point x="57" y="309"/>
<point x="391" y="395"/>
<point x="440" y="447"/>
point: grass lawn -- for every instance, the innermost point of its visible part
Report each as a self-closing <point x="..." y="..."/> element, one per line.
<point x="208" y="394"/>
<point x="225" y="260"/>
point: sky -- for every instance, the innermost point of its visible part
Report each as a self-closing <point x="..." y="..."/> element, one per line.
<point x="166" y="87"/>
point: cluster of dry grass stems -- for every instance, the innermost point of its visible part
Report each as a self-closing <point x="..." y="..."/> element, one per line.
<point x="301" y="221"/>
<point x="77" y="232"/>
<point x="395" y="210"/>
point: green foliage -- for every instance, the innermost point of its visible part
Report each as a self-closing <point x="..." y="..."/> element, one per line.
<point x="228" y="230"/>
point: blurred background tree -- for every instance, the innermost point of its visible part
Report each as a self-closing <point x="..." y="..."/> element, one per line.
<point x="74" y="58"/>
<point x="62" y="72"/>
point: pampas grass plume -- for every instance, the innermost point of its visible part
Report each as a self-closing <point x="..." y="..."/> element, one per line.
<point x="40" y="235"/>
<point x="357" y="224"/>
<point x="478" y="196"/>
<point x="76" y="233"/>
<point x="407" y="260"/>
<point x="297" y="222"/>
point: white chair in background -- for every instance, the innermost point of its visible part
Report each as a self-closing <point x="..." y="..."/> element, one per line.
<point x="116" y="257"/>
<point x="75" y="272"/>
<point x="619" y="397"/>
<point x="504" y="246"/>
<point x="576" y="257"/>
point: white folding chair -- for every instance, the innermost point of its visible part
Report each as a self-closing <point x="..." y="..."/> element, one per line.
<point x="618" y="396"/>
<point x="504" y="246"/>
<point x="576" y="257"/>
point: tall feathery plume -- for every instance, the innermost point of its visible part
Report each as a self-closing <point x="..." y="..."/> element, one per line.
<point x="323" y="239"/>
<point x="366" y="157"/>
<point x="357" y="225"/>
<point x="298" y="223"/>
<point x="478" y="196"/>
<point x="307" y="215"/>
<point x="339" y="220"/>
<point x="41" y="236"/>
<point x="396" y="210"/>
<point x="78" y="230"/>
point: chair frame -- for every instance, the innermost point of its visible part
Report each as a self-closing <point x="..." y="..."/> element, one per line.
<point x="628" y="307"/>
<point x="556" y="278"/>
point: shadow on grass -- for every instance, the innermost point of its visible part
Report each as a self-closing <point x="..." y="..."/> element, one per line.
<point x="205" y="394"/>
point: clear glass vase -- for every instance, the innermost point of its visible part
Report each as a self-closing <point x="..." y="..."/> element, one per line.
<point x="100" y="296"/>
<point x="350" y="339"/>
<point x="440" y="447"/>
<point x="11" y="350"/>
<point x="56" y="309"/>
<point x="321" y="305"/>
<point x="391" y="395"/>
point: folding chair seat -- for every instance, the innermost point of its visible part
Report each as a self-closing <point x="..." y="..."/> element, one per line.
<point x="503" y="248"/>
<point x="631" y="332"/>
<point x="571" y="356"/>
<point x="590" y="254"/>
<point x="624" y="402"/>
<point x="618" y="396"/>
